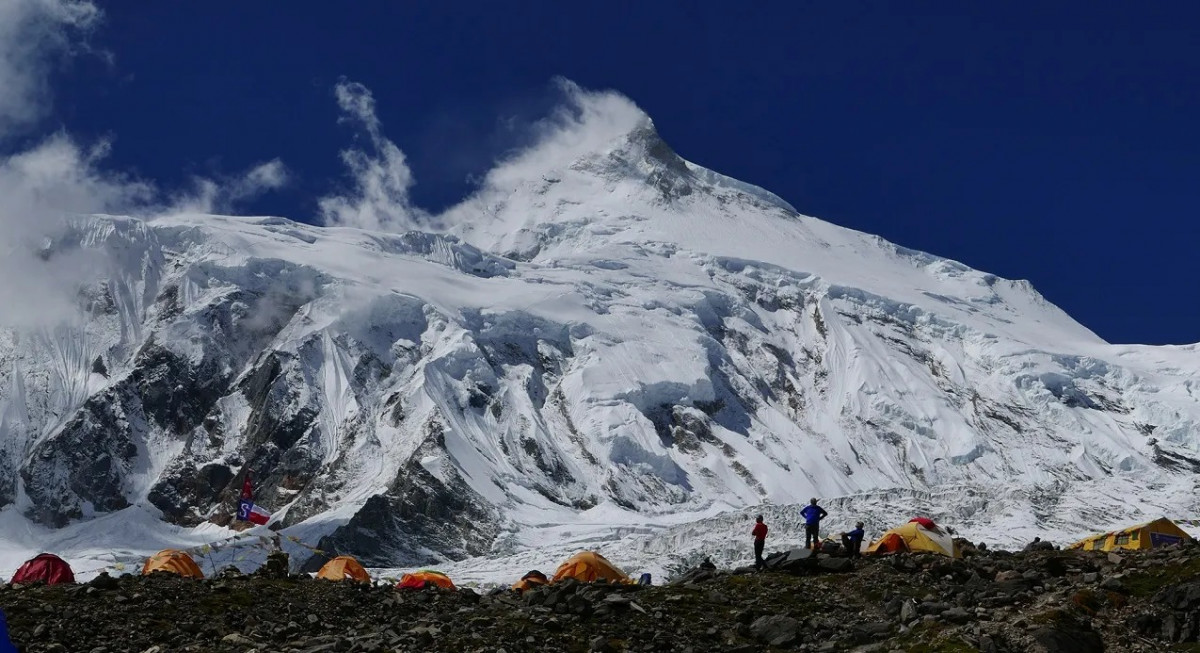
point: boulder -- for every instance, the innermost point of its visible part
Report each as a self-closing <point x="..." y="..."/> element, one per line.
<point x="1114" y="585"/>
<point x="1180" y="597"/>
<point x="775" y="630"/>
<point x="835" y="565"/>
<point x="956" y="615"/>
<point x="797" y="560"/>
<point x="104" y="582"/>
<point x="693" y="576"/>
<point x="1065" y="639"/>
<point x="276" y="566"/>
<point x="774" y="560"/>
<point x="932" y="607"/>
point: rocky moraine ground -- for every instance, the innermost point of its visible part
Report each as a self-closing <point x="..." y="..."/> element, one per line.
<point x="1047" y="601"/>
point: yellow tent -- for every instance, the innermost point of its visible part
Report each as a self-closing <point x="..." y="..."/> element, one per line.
<point x="1160" y="532"/>
<point x="344" y="568"/>
<point x="918" y="535"/>
<point x="174" y="562"/>
<point x="589" y="566"/>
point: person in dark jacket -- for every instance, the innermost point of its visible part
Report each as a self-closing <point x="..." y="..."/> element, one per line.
<point x="852" y="541"/>
<point x="760" y="540"/>
<point x="813" y="514"/>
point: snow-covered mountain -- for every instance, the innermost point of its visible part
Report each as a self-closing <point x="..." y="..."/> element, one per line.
<point x="621" y="338"/>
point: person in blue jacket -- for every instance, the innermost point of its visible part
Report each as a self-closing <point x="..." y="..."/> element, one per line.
<point x="813" y="514"/>
<point x="852" y="541"/>
<point x="6" y="645"/>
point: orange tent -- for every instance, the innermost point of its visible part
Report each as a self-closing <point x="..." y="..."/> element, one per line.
<point x="889" y="543"/>
<point x="530" y="580"/>
<point x="424" y="578"/>
<point x="589" y="566"/>
<point x="173" y="562"/>
<point x="344" y="568"/>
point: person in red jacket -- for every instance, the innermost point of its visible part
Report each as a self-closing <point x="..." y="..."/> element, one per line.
<point x="760" y="540"/>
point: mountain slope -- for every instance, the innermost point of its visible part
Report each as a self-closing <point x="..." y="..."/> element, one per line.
<point x="622" y="338"/>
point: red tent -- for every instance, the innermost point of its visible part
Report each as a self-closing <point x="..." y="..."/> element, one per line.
<point x="47" y="568"/>
<point x="926" y="522"/>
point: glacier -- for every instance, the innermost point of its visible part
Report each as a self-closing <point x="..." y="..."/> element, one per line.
<point x="619" y="349"/>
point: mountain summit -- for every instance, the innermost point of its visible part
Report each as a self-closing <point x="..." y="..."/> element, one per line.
<point x="614" y="337"/>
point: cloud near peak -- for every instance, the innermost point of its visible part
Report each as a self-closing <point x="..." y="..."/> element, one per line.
<point x="583" y="123"/>
<point x="381" y="178"/>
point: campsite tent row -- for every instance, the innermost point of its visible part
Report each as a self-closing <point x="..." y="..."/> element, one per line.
<point x="921" y="534"/>
<point x="586" y="566"/>
<point x="918" y="535"/>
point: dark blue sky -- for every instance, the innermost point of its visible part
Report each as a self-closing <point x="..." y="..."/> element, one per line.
<point x="1058" y="144"/>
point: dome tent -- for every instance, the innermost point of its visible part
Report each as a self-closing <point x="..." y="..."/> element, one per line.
<point x="589" y="566"/>
<point x="344" y="568"/>
<point x="530" y="580"/>
<point x="46" y="568"/>
<point x="425" y="578"/>
<point x="172" y="562"/>
<point x="918" y="535"/>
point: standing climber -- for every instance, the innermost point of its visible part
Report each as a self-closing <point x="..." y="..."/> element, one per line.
<point x="760" y="540"/>
<point x="813" y="514"/>
<point x="852" y="541"/>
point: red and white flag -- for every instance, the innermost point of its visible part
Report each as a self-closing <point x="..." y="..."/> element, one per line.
<point x="258" y="515"/>
<point x="247" y="509"/>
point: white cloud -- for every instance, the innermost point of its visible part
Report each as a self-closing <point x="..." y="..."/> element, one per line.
<point x="38" y="188"/>
<point x="264" y="177"/>
<point x="381" y="177"/>
<point x="585" y="122"/>
<point x="59" y="177"/>
<point x="32" y="34"/>
<point x="223" y="195"/>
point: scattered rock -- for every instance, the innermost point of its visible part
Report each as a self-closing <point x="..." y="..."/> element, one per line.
<point x="103" y="582"/>
<point x="873" y="605"/>
<point x="835" y="565"/>
<point x="1059" y="639"/>
<point x="775" y="630"/>
<point x="1113" y="585"/>
<point x="237" y="639"/>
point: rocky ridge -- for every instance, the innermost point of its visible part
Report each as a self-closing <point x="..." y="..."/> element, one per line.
<point x="995" y="602"/>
